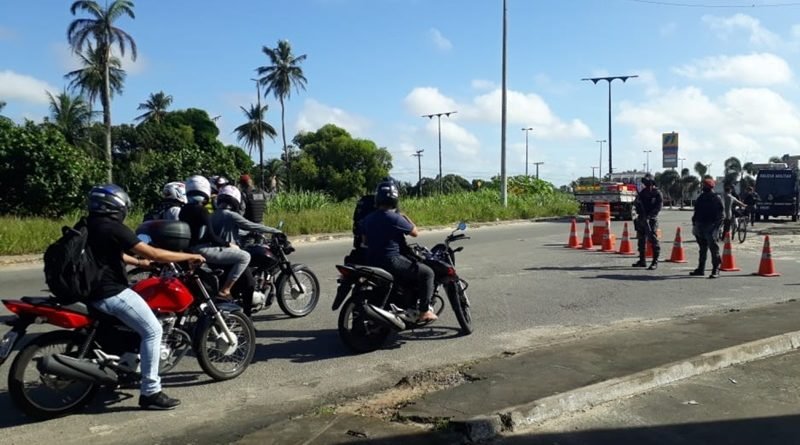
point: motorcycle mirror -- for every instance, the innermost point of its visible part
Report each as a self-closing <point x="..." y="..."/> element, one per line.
<point x="462" y="225"/>
<point x="144" y="238"/>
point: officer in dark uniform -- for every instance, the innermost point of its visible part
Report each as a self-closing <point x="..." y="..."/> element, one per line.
<point x="648" y="204"/>
<point x="254" y="200"/>
<point x="708" y="216"/>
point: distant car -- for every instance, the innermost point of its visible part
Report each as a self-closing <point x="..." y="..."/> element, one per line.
<point x="778" y="193"/>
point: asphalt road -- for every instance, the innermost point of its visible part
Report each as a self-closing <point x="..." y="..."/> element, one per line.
<point x="525" y="289"/>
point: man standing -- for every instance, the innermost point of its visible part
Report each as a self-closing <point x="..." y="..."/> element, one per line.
<point x="648" y="204"/>
<point x="708" y="215"/>
<point x="254" y="200"/>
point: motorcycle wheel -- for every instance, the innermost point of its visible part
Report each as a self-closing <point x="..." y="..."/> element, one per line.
<point x="359" y="333"/>
<point x="292" y="302"/>
<point x="44" y="396"/>
<point x="211" y="347"/>
<point x="460" y="302"/>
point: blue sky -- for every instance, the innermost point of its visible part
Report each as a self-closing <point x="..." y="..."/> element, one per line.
<point x="721" y="76"/>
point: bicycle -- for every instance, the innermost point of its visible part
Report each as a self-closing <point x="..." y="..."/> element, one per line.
<point x="738" y="226"/>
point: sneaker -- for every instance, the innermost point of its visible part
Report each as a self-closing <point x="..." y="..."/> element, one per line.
<point x="714" y="273"/>
<point x="640" y="263"/>
<point x="653" y="265"/>
<point x="697" y="273"/>
<point x="158" y="401"/>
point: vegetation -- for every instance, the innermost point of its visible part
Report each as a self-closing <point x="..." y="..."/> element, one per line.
<point x="155" y="108"/>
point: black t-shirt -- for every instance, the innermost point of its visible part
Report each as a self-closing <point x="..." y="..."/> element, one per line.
<point x="198" y="219"/>
<point x="108" y="240"/>
<point x="385" y="231"/>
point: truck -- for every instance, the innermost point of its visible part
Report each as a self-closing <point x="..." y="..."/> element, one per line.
<point x="619" y="195"/>
<point x="777" y="190"/>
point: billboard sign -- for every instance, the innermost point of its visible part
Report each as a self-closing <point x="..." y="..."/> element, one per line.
<point x="669" y="149"/>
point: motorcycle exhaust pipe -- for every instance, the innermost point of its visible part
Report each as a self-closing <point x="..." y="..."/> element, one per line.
<point x="385" y="317"/>
<point x="72" y="368"/>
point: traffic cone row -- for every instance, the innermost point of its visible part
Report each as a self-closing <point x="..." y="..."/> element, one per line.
<point x="766" y="267"/>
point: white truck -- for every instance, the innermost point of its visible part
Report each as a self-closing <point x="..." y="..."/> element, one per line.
<point x="619" y="192"/>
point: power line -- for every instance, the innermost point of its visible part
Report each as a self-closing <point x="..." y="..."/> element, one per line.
<point x="704" y="5"/>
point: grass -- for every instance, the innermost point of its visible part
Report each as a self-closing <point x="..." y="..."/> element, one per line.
<point x="309" y="213"/>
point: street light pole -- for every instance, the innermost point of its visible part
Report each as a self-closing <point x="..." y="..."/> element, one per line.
<point x="439" y="117"/>
<point x="526" y="130"/>
<point x="537" y="164"/>
<point x="681" y="159"/>
<point x="600" y="165"/>
<point x="260" y="135"/>
<point x="593" y="169"/>
<point x="418" y="155"/>
<point x="609" y="80"/>
<point x="503" y="111"/>
<point x="647" y="153"/>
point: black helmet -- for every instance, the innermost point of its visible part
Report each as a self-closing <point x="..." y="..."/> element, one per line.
<point x="648" y="180"/>
<point x="109" y="199"/>
<point x="387" y="194"/>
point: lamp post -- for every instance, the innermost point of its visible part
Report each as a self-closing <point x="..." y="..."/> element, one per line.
<point x="647" y="154"/>
<point x="681" y="159"/>
<point x="503" y="112"/>
<point x="600" y="165"/>
<point x="439" y="117"/>
<point x="537" y="164"/>
<point x="260" y="135"/>
<point x="593" y="169"/>
<point x="418" y="155"/>
<point x="609" y="80"/>
<point x="526" y="130"/>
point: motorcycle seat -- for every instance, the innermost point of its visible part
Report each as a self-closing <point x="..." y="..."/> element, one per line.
<point x="49" y="301"/>
<point x="374" y="272"/>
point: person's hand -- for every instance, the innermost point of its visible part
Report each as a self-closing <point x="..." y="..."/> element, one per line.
<point x="144" y="264"/>
<point x="195" y="259"/>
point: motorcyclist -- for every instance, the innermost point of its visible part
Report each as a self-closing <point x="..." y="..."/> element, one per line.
<point x="228" y="224"/>
<point x="173" y="197"/>
<point x="708" y="215"/>
<point x="204" y="241"/>
<point x="384" y="232"/>
<point x="648" y="204"/>
<point x="113" y="245"/>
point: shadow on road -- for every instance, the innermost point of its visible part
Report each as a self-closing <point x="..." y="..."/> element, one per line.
<point x="578" y="268"/>
<point x="301" y="346"/>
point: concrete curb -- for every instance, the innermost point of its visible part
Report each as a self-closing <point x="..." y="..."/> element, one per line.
<point x="521" y="416"/>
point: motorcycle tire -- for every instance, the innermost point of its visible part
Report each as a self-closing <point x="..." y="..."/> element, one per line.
<point x="363" y="335"/>
<point x="67" y="395"/>
<point x="292" y="302"/>
<point x="460" y="302"/>
<point x="210" y="346"/>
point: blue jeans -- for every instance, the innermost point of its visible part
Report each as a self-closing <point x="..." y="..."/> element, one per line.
<point x="238" y="259"/>
<point x="131" y="309"/>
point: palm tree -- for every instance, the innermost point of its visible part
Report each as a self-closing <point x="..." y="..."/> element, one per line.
<point x="701" y="169"/>
<point x="155" y="106"/>
<point x="70" y="114"/>
<point x="274" y="172"/>
<point x="279" y="78"/>
<point x="88" y="81"/>
<point x="733" y="168"/>
<point x="749" y="168"/>
<point x="252" y="132"/>
<point x="775" y="160"/>
<point x="2" y="104"/>
<point x="100" y="27"/>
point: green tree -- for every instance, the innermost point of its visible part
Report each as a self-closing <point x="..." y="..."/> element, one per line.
<point x="733" y="168"/>
<point x="204" y="129"/>
<point x="252" y="132"/>
<point x="2" y="104"/>
<point x="279" y="77"/>
<point x="71" y="115"/>
<point x="155" y="107"/>
<point x="669" y="183"/>
<point x="332" y="161"/>
<point x="749" y="168"/>
<point x="88" y="80"/>
<point x="701" y="169"/>
<point x="775" y="160"/>
<point x="100" y="28"/>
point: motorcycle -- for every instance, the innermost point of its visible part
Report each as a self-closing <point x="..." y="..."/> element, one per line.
<point x="379" y="305"/>
<point x="61" y="371"/>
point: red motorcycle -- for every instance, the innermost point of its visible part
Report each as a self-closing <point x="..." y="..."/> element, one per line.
<point x="61" y="371"/>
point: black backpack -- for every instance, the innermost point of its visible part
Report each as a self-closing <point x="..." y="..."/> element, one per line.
<point x="70" y="270"/>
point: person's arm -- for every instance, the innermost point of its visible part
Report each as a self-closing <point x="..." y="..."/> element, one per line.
<point x="162" y="256"/>
<point x="136" y="262"/>
<point x="411" y="228"/>
<point x="659" y="204"/>
<point x="250" y="226"/>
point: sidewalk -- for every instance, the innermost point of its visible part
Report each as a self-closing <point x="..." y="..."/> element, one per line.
<point x="526" y="389"/>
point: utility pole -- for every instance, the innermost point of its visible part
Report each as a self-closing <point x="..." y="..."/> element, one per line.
<point x="600" y="165"/>
<point x="526" y="130"/>
<point x="593" y="169"/>
<point x="647" y="163"/>
<point x="609" y="80"/>
<point x="418" y="155"/>
<point x="439" y="117"/>
<point x="503" y="108"/>
<point x="537" y="164"/>
<point x="260" y="135"/>
<point x="681" y="159"/>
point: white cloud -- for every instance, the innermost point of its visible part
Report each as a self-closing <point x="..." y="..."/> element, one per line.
<point x="752" y="69"/>
<point x="482" y="84"/>
<point x="315" y="115"/>
<point x="69" y="61"/>
<point x="24" y="88"/>
<point x="439" y="40"/>
<point x="727" y="26"/>
<point x="426" y="100"/>
<point x="465" y="143"/>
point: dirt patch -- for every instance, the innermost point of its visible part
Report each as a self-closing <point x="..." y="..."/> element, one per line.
<point x="385" y="404"/>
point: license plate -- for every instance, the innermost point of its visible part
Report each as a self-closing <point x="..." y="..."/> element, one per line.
<point x="7" y="344"/>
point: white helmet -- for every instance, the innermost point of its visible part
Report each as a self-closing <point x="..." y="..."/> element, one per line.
<point x="229" y="196"/>
<point x="175" y="191"/>
<point x="198" y="186"/>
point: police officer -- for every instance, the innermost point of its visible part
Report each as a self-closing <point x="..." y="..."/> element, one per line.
<point x="708" y="215"/>
<point x="648" y="203"/>
<point x="254" y="200"/>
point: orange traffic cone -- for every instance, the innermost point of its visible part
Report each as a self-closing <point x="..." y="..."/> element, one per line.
<point x="608" y="242"/>
<point x="728" y="263"/>
<point x="767" y="267"/>
<point x="587" y="238"/>
<point x="625" y="247"/>
<point x="678" y="254"/>
<point x="572" y="242"/>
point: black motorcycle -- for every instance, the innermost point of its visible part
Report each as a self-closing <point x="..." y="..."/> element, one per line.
<point x="379" y="305"/>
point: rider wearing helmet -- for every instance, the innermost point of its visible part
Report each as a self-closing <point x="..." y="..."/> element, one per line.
<point x="384" y="232"/>
<point x="204" y="241"/>
<point x="173" y="197"/>
<point x="227" y="223"/>
<point x="648" y="204"/>
<point x="707" y="217"/>
<point x="112" y="245"/>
